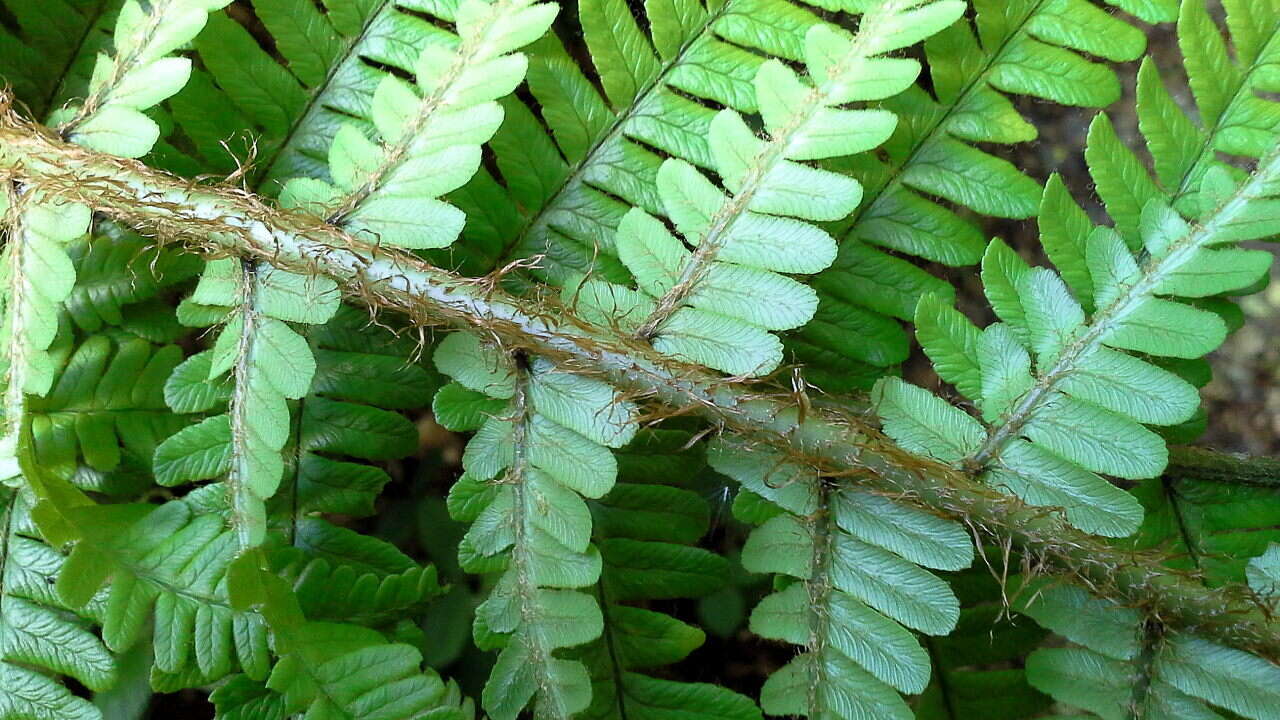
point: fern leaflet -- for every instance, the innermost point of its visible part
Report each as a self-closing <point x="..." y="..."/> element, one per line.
<point x="1078" y="412"/>
<point x="1130" y="669"/>
<point x="527" y="470"/>
<point x="854" y="557"/>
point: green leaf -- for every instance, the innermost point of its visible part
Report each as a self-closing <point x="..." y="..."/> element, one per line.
<point x="951" y="342"/>
<point x="922" y="538"/>
<point x="1240" y="682"/>
<point x="923" y="422"/>
<point x="624" y="58"/>
<point x="199" y="452"/>
<point x="861" y="635"/>
<point x="1073" y="613"/>
<point x="1006" y="371"/>
<point x="893" y="586"/>
<point x="332" y="670"/>
<point x="477" y="367"/>
<point x="1042" y="478"/>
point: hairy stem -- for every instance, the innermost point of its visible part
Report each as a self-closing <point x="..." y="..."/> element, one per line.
<point x="842" y="444"/>
<point x="240" y="498"/>
<point x="819" y="588"/>
<point x="1193" y="463"/>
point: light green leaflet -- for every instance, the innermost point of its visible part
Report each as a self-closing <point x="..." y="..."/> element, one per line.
<point x="136" y="77"/>
<point x="268" y="363"/>
<point x="1182" y="676"/>
<point x="1061" y="400"/>
<point x="430" y="133"/>
<point x="537" y="453"/>
<point x="858" y="553"/>
<point x="715" y="304"/>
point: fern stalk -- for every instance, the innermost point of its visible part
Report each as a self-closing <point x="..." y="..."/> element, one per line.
<point x="819" y="588"/>
<point x="246" y="509"/>
<point x="1195" y="463"/>
<point x="548" y="701"/>
<point x="173" y="207"/>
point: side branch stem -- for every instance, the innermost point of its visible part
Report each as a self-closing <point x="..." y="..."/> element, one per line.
<point x="1193" y="463"/>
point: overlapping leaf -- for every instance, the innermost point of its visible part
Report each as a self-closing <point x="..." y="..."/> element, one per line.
<point x="38" y="636"/>
<point x="1176" y="675"/>
<point x="645" y="531"/>
<point x="937" y="167"/>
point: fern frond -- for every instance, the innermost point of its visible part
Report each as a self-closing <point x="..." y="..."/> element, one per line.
<point x="1130" y="669"/>
<point x="38" y="634"/>
<point x="105" y="408"/>
<point x="357" y="374"/>
<point x="1079" y="410"/>
<point x="936" y="166"/>
<point x="332" y="670"/>
<point x="137" y="74"/>
<point x="854" y="557"/>
<point x="715" y="305"/>
<point x="135" y="77"/>
<point x="527" y="471"/>
<point x="329" y="669"/>
<point x="268" y="364"/>
<point x="38" y="276"/>
<point x="47" y="57"/>
<point x="166" y="566"/>
<point x="431" y="134"/>
<point x="1235" y="115"/>
<point x="602" y="154"/>
<point x="645" y="533"/>
<point x="361" y="378"/>
<point x="333" y="63"/>
<point x="344" y="592"/>
<point x="777" y="422"/>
